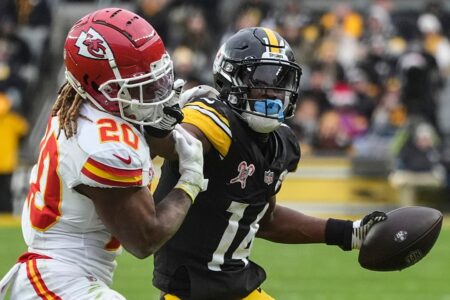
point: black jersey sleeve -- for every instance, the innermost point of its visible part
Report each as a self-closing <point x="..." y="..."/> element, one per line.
<point x="169" y="178"/>
<point x="290" y="156"/>
<point x="293" y="152"/>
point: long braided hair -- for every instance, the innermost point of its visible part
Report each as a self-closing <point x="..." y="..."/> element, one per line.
<point x="67" y="108"/>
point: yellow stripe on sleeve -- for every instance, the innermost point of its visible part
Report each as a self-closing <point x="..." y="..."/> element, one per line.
<point x="105" y="175"/>
<point x="211" y="124"/>
<point x="211" y="109"/>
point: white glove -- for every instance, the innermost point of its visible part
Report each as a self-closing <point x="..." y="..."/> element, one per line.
<point x="200" y="91"/>
<point x="190" y="156"/>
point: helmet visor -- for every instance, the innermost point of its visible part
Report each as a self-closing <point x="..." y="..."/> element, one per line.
<point x="142" y="97"/>
<point x="271" y="75"/>
<point x="143" y="89"/>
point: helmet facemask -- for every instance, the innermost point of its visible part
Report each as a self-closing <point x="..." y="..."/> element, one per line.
<point x="142" y="98"/>
<point x="264" y="91"/>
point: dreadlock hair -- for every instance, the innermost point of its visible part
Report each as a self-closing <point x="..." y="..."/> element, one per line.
<point x="67" y="108"/>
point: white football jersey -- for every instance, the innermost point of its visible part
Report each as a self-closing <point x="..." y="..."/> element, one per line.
<point x="63" y="224"/>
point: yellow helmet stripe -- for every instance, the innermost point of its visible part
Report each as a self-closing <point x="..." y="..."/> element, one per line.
<point x="273" y="41"/>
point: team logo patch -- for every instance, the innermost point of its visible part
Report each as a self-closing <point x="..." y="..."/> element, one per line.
<point x="92" y="45"/>
<point x="268" y="177"/>
<point x="244" y="172"/>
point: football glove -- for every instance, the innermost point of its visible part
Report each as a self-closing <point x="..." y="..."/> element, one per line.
<point x="190" y="157"/>
<point x="362" y="227"/>
<point x="350" y="235"/>
<point x="172" y="114"/>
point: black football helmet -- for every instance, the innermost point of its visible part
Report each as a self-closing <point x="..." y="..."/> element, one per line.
<point x="256" y="74"/>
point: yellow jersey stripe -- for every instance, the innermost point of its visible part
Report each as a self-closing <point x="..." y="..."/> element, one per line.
<point x="273" y="41"/>
<point x="215" y="131"/>
<point x="211" y="109"/>
<point x="105" y="175"/>
<point x="170" y="297"/>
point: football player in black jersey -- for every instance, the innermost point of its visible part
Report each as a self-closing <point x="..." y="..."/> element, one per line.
<point x="247" y="153"/>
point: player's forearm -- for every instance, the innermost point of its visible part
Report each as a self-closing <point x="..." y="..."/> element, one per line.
<point x="291" y="227"/>
<point x="157" y="227"/>
<point x="170" y="214"/>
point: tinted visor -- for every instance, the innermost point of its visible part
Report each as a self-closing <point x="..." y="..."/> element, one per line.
<point x="271" y="74"/>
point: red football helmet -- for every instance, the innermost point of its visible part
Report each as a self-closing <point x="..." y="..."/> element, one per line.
<point x="117" y="60"/>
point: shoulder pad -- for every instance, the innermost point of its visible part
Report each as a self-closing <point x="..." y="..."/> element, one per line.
<point x="208" y="115"/>
<point x="201" y="91"/>
<point x="115" y="169"/>
<point x="291" y="145"/>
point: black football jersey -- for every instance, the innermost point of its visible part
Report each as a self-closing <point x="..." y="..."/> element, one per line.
<point x="208" y="258"/>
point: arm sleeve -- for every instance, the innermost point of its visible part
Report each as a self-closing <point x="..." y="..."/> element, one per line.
<point x="169" y="178"/>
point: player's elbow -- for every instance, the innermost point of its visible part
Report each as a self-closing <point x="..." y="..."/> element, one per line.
<point x="142" y="251"/>
<point x="142" y="247"/>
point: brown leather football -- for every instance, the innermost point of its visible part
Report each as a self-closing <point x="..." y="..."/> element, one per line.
<point x="403" y="239"/>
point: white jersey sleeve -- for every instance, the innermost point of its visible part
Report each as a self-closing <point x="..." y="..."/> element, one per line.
<point x="106" y="152"/>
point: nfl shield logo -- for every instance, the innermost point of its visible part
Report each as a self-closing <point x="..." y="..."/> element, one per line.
<point x="268" y="177"/>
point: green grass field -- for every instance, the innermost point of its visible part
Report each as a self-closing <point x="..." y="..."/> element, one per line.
<point x="313" y="272"/>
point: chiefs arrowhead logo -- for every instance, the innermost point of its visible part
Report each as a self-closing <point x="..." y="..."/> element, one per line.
<point x="92" y="45"/>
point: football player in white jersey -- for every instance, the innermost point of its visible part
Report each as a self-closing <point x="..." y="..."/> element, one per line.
<point x="89" y="189"/>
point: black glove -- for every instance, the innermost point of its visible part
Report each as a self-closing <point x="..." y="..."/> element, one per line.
<point x="350" y="235"/>
<point x="172" y="114"/>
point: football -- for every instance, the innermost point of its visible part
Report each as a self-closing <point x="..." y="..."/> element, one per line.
<point x="400" y="241"/>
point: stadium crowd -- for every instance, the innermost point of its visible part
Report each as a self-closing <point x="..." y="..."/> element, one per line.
<point x="375" y="81"/>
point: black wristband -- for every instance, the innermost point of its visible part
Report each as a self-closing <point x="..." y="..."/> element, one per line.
<point x="339" y="232"/>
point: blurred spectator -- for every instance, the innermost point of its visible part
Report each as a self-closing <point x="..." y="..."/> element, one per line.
<point x="157" y="13"/>
<point x="379" y="23"/>
<point x="33" y="19"/>
<point x="15" y="58"/>
<point x="317" y="85"/>
<point x="262" y="7"/>
<point x="420" y="83"/>
<point x="305" y="121"/>
<point x="389" y="114"/>
<point x="12" y="128"/>
<point x="436" y="8"/>
<point x="331" y="69"/>
<point x="345" y="26"/>
<point x="184" y="65"/>
<point x="366" y="93"/>
<point x="416" y="148"/>
<point x="249" y="13"/>
<point x="210" y="13"/>
<point x="296" y="26"/>
<point x="434" y="42"/>
<point x="193" y="43"/>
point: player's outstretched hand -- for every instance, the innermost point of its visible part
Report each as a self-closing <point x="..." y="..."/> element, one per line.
<point x="190" y="156"/>
<point x="362" y="227"/>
